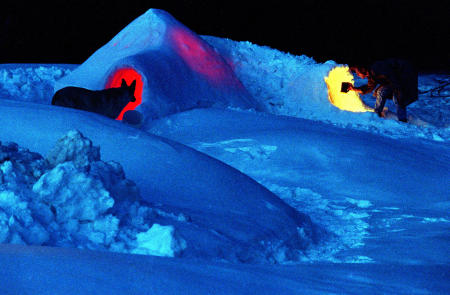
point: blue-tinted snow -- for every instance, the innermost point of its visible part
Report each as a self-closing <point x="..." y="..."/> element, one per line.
<point x="342" y="178"/>
<point x="179" y="69"/>
<point x="293" y="86"/>
<point x="180" y="180"/>
<point x="292" y="158"/>
<point x="43" y="270"/>
<point x="376" y="191"/>
<point x="73" y="199"/>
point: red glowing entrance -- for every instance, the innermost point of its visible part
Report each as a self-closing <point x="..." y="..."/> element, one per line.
<point x="129" y="74"/>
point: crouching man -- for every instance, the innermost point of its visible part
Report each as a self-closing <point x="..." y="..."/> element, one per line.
<point x="389" y="79"/>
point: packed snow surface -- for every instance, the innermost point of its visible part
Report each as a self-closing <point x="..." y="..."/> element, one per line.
<point x="201" y="195"/>
<point x="179" y="70"/>
<point x="345" y="202"/>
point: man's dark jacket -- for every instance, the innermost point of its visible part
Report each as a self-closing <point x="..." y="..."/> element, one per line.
<point x="398" y="74"/>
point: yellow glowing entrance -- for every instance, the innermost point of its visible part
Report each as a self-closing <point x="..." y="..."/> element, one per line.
<point x="349" y="101"/>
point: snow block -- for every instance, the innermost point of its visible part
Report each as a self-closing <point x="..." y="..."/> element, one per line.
<point x="159" y="240"/>
<point x="174" y="68"/>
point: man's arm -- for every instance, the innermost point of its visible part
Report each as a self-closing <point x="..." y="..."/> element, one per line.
<point x="369" y="87"/>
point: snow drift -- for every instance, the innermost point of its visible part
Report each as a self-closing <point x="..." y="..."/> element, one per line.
<point x="227" y="214"/>
<point x="174" y="68"/>
<point x="73" y="199"/>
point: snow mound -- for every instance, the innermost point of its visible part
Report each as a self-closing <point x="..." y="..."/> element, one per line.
<point x="174" y="68"/>
<point x="291" y="85"/>
<point x="285" y="84"/>
<point x="74" y="199"/>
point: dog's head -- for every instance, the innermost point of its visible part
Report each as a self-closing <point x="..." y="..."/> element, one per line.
<point x="129" y="89"/>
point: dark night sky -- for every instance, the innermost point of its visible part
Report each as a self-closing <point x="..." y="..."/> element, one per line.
<point x="344" y="31"/>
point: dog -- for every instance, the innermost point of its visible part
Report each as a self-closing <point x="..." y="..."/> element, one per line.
<point x="108" y="102"/>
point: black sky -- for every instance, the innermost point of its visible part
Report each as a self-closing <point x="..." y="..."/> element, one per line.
<point x="344" y="31"/>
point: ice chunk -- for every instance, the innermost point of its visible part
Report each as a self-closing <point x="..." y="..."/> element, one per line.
<point x="159" y="240"/>
<point x="65" y="205"/>
<point x="74" y="147"/>
<point x="359" y="203"/>
<point x="73" y="193"/>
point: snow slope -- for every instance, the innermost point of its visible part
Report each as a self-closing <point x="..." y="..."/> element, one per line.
<point x="176" y="177"/>
<point x="345" y="179"/>
<point x="71" y="271"/>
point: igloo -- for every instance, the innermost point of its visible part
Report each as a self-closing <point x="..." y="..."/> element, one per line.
<point x="174" y="68"/>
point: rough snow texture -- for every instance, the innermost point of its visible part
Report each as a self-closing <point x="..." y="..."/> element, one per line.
<point x="337" y="176"/>
<point x="75" y="148"/>
<point x="33" y="83"/>
<point x="293" y="85"/>
<point x="74" y="199"/>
